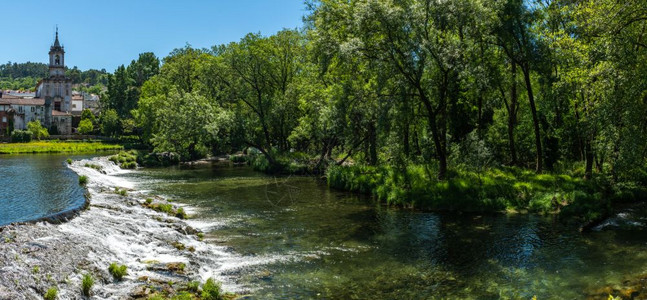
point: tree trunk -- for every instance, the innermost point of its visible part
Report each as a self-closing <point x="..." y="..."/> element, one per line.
<point x="372" y="141"/>
<point x="588" y="171"/>
<point x="512" y="114"/>
<point x="405" y="140"/>
<point x="535" y="119"/>
<point x="436" y="134"/>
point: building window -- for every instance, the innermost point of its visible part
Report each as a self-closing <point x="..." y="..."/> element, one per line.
<point x="4" y="119"/>
<point x="57" y="60"/>
<point x="33" y="109"/>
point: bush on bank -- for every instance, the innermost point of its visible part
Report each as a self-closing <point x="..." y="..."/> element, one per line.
<point x="490" y="190"/>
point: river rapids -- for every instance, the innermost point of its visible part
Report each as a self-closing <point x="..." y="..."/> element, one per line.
<point x="116" y="227"/>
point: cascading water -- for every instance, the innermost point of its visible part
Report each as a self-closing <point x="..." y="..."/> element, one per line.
<point x="115" y="228"/>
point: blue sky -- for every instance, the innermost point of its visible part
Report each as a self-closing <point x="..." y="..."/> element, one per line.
<point x="106" y="34"/>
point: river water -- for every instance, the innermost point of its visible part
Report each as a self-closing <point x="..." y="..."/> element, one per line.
<point x="293" y="237"/>
<point x="33" y="186"/>
<point x="307" y="241"/>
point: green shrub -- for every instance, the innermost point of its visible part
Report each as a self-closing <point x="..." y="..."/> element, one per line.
<point x="211" y="290"/>
<point x="83" y="180"/>
<point x="180" y="213"/>
<point x="51" y="294"/>
<point x="118" y="272"/>
<point x="69" y="161"/>
<point x="183" y="296"/>
<point x="129" y="165"/>
<point x="125" y="159"/>
<point x="165" y="208"/>
<point x="149" y="201"/>
<point x="193" y="286"/>
<point x="86" y="284"/>
<point x="238" y="159"/>
<point x="21" y="136"/>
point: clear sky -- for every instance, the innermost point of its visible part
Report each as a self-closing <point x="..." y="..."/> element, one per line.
<point x="106" y="34"/>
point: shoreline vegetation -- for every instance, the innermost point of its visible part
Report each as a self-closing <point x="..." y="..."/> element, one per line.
<point x="576" y="201"/>
<point x="58" y="147"/>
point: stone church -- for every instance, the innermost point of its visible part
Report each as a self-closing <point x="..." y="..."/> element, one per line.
<point x="56" y="90"/>
<point x="51" y="104"/>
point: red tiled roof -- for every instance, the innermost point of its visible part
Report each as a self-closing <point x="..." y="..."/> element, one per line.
<point x="21" y="101"/>
<point x="60" y="113"/>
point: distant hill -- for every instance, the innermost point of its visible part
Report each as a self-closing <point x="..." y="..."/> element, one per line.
<point x="20" y="70"/>
<point x="24" y="76"/>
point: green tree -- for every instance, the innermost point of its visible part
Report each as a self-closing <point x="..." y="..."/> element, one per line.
<point x="110" y="123"/>
<point x="37" y="130"/>
<point x="86" y="126"/>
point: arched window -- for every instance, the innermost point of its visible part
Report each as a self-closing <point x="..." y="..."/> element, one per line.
<point x="57" y="60"/>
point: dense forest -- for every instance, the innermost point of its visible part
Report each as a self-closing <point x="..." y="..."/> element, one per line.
<point x="484" y="105"/>
<point x="25" y="76"/>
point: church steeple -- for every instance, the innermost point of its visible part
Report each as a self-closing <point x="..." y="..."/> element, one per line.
<point x="56" y="43"/>
<point x="56" y="58"/>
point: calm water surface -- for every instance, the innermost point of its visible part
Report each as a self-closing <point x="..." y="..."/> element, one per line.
<point x="334" y="245"/>
<point x="37" y="185"/>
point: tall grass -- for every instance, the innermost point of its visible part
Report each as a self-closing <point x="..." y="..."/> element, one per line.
<point x="56" y="147"/>
<point x="490" y="190"/>
<point x="86" y="284"/>
<point x="118" y="272"/>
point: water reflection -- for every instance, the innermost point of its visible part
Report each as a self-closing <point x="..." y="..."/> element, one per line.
<point x="340" y="246"/>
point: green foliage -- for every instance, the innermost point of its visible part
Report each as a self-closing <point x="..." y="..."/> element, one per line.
<point x="57" y="147"/>
<point x="83" y="180"/>
<point x="110" y="123"/>
<point x="125" y="159"/>
<point x="69" y="161"/>
<point x="180" y="213"/>
<point x="51" y="294"/>
<point x="21" y="136"/>
<point x="211" y="290"/>
<point x="37" y="130"/>
<point x="193" y="286"/>
<point x="490" y="190"/>
<point x="86" y="126"/>
<point x="86" y="284"/>
<point x="117" y="271"/>
<point x="88" y="115"/>
<point x="184" y="123"/>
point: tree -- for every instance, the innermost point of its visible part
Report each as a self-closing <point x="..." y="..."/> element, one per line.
<point x="87" y="115"/>
<point x="189" y="124"/>
<point x="110" y="123"/>
<point x="86" y="126"/>
<point x="37" y="130"/>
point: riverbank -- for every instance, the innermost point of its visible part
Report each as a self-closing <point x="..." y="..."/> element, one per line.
<point x="57" y="147"/>
<point x="493" y="190"/>
<point x="164" y="255"/>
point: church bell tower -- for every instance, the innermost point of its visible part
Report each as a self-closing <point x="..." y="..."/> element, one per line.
<point x="56" y="58"/>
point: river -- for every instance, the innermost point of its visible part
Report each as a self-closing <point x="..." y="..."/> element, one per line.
<point x="293" y="237"/>
<point x="308" y="241"/>
<point x="34" y="186"/>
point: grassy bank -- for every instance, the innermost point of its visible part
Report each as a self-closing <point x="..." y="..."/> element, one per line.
<point x="488" y="191"/>
<point x="56" y="147"/>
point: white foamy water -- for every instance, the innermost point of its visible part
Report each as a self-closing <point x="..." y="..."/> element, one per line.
<point x="121" y="230"/>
